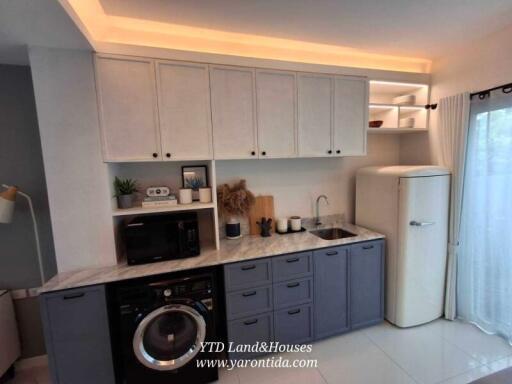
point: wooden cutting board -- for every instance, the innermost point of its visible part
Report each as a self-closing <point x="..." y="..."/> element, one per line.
<point x="263" y="207"/>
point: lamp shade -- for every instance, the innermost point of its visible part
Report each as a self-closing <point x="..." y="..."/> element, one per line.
<point x="7" y="200"/>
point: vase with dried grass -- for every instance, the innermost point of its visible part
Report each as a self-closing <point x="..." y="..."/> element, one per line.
<point x="235" y="202"/>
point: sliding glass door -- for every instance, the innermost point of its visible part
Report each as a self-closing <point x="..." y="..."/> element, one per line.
<point x="484" y="287"/>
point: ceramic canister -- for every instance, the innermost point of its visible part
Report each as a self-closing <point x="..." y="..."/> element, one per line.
<point x="185" y="196"/>
<point x="282" y="225"/>
<point x="205" y="195"/>
<point x="295" y="223"/>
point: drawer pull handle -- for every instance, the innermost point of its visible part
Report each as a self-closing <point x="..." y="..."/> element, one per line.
<point x="251" y="322"/>
<point x="294" y="260"/>
<point x="294" y="311"/>
<point x="292" y="285"/>
<point x="332" y="253"/>
<point x="74" y="296"/>
<point x="247" y="294"/>
<point x="367" y="246"/>
<point x="248" y="267"/>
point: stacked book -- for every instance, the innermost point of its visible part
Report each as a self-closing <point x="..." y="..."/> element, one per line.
<point x="159" y="201"/>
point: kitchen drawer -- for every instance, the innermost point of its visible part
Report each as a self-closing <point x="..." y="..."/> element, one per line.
<point x="292" y="266"/>
<point x="294" y="325"/>
<point x="248" y="302"/>
<point x="249" y="331"/>
<point x="247" y="274"/>
<point x="293" y="292"/>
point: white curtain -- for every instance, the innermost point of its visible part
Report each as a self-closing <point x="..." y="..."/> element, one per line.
<point x="453" y="131"/>
<point x="484" y="283"/>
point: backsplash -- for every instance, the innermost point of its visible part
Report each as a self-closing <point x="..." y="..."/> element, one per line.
<point x="307" y="222"/>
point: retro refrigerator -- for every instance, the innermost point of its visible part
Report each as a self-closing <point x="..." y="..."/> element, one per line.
<point x="409" y="205"/>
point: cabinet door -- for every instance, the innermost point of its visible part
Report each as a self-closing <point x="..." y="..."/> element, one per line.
<point x="77" y="336"/>
<point x="294" y="325"/>
<point x="275" y="96"/>
<point x="366" y="284"/>
<point x="184" y="110"/>
<point x="350" y="116"/>
<point x="233" y="106"/>
<point x="315" y="115"/>
<point x="127" y="105"/>
<point x="331" y="291"/>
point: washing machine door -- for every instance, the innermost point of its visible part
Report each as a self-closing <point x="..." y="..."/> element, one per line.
<point x="169" y="337"/>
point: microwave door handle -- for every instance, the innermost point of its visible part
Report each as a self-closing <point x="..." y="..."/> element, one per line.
<point x="181" y="237"/>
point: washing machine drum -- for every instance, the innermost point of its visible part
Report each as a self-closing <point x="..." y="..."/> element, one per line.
<point x="170" y="337"/>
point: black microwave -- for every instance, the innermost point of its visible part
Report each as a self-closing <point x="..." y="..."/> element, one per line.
<point x="161" y="237"/>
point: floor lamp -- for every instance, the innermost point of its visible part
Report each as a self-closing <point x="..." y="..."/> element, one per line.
<point x="7" y="202"/>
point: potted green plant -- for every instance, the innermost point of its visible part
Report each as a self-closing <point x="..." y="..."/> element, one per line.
<point x="124" y="190"/>
<point x="234" y="202"/>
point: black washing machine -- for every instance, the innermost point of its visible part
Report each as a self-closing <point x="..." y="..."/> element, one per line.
<point x="158" y="326"/>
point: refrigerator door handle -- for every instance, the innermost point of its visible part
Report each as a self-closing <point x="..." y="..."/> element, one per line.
<point x="421" y="223"/>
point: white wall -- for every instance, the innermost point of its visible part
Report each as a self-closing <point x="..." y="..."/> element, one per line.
<point x="77" y="179"/>
<point x="480" y="65"/>
<point x="296" y="183"/>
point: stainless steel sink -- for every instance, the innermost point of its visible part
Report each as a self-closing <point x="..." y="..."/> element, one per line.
<point x="332" y="233"/>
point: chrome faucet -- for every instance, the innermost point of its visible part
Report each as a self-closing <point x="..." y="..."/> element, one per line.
<point x="318" y="222"/>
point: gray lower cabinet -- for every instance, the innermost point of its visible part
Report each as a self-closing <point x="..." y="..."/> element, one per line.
<point x="77" y="335"/>
<point x="297" y="298"/>
<point x="366" y="283"/>
<point x="331" y="291"/>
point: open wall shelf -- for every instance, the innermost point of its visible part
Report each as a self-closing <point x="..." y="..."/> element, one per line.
<point x="178" y="208"/>
<point x="164" y="173"/>
<point x="399" y="115"/>
<point x="396" y="130"/>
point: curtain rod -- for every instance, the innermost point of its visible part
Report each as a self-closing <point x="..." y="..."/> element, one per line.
<point x="506" y="88"/>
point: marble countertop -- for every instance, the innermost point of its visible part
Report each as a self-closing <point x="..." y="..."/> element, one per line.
<point x="245" y="248"/>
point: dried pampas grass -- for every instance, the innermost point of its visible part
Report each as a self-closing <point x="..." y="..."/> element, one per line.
<point x="235" y="200"/>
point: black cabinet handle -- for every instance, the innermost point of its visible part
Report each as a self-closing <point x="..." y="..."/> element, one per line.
<point x="292" y="285"/>
<point x="248" y="267"/>
<point x="294" y="260"/>
<point x="263" y="153"/>
<point x="329" y="151"/>
<point x="253" y="153"/>
<point x="74" y="296"/>
<point x="247" y="294"/>
<point x="338" y="151"/>
<point x="332" y="253"/>
<point x="367" y="246"/>
<point x="168" y="154"/>
<point x="155" y="155"/>
<point x="294" y="311"/>
<point x="251" y="322"/>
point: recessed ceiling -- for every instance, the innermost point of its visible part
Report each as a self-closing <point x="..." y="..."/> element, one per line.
<point x="35" y="22"/>
<point x="413" y="28"/>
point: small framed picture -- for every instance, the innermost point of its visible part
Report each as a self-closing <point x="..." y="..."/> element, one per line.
<point x="194" y="177"/>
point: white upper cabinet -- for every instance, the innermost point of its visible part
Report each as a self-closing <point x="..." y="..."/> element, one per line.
<point x="276" y="113"/>
<point x="127" y="103"/>
<point x="315" y="93"/>
<point x="184" y="110"/>
<point x="172" y="110"/>
<point x="350" y="116"/>
<point x="233" y="112"/>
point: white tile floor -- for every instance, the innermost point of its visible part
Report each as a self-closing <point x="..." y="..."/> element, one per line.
<point x="441" y="352"/>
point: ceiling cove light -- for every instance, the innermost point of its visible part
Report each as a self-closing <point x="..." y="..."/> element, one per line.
<point x="412" y="85"/>
<point x="103" y="30"/>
